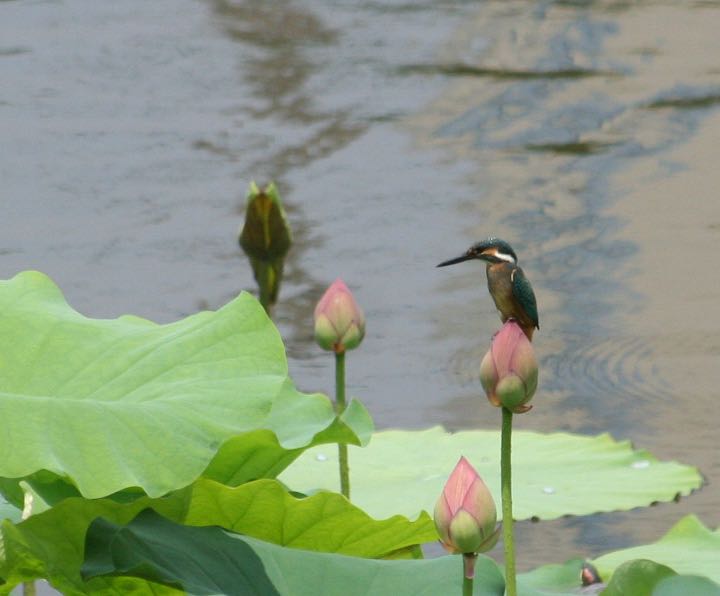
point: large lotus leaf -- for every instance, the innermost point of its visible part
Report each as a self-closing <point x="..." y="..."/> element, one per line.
<point x="209" y="570"/>
<point x="687" y="585"/>
<point x="553" y="474"/>
<point x="552" y="578"/>
<point x="50" y="544"/>
<point x="155" y="548"/>
<point x="689" y="548"/>
<point x="324" y="522"/>
<point x="262" y="456"/>
<point x="641" y="577"/>
<point x="164" y="546"/>
<point x="125" y="402"/>
<point x="638" y="578"/>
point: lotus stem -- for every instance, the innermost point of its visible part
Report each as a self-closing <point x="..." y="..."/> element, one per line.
<point x="339" y="408"/>
<point x="507" y="518"/>
<point x="468" y="573"/>
<point x="467" y="589"/>
<point x="28" y="588"/>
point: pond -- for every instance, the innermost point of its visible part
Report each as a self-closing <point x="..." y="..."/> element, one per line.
<point x="398" y="133"/>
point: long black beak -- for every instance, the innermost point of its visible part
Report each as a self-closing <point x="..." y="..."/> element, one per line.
<point x="459" y="259"/>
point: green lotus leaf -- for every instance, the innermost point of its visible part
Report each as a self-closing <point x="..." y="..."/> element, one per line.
<point x="686" y="585"/>
<point x="261" y="454"/>
<point x="324" y="522"/>
<point x="50" y="544"/>
<point x="334" y="574"/>
<point x="641" y="577"/>
<point x="551" y="579"/>
<point x="210" y="561"/>
<point x="212" y="569"/>
<point x="156" y="549"/>
<point x="638" y="578"/>
<point x="111" y="404"/>
<point x="553" y="474"/>
<point x="689" y="548"/>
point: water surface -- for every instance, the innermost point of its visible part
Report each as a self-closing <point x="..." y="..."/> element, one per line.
<point x="398" y="132"/>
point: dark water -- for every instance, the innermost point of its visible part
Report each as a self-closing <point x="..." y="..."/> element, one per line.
<point x="585" y="133"/>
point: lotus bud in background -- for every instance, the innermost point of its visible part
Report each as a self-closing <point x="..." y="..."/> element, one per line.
<point x="509" y="371"/>
<point x="266" y="233"/>
<point x="339" y="321"/>
<point x="465" y="514"/>
<point x="265" y="238"/>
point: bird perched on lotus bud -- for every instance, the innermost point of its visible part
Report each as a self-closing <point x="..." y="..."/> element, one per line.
<point x="510" y="289"/>
<point x="465" y="514"/>
<point x="509" y="370"/>
<point x="339" y="321"/>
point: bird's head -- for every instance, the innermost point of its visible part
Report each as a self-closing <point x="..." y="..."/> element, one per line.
<point x="492" y="250"/>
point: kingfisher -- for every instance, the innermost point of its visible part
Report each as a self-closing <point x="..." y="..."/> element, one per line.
<point x="510" y="289"/>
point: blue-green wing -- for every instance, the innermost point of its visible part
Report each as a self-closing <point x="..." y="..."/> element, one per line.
<point x="523" y="293"/>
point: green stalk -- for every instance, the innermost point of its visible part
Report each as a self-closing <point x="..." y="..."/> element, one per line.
<point x="467" y="586"/>
<point x="339" y="408"/>
<point x="506" y="482"/>
<point x="468" y="573"/>
<point x="28" y="588"/>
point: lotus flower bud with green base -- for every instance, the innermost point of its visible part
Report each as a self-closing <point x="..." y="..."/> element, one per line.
<point x="265" y="238"/>
<point x="339" y="321"/>
<point x="266" y="232"/>
<point x="465" y="514"/>
<point x="509" y="371"/>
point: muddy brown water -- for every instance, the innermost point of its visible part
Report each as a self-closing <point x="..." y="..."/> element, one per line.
<point x="585" y="133"/>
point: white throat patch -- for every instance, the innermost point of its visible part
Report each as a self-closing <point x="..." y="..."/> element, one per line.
<point x="504" y="256"/>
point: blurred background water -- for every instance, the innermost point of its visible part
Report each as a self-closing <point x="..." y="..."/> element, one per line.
<point x="583" y="132"/>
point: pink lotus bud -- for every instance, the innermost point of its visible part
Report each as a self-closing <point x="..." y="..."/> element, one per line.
<point x="509" y="371"/>
<point x="465" y="515"/>
<point x="339" y="322"/>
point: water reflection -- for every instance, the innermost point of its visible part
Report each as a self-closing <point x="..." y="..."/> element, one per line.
<point x="276" y="74"/>
<point x="276" y="41"/>
<point x="468" y="70"/>
<point x="548" y="135"/>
